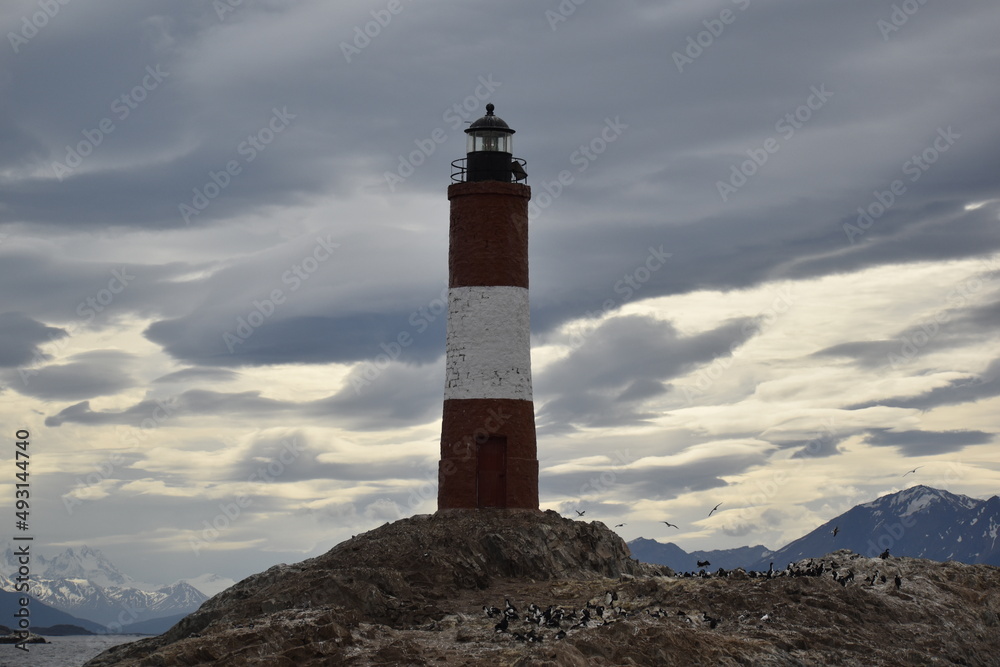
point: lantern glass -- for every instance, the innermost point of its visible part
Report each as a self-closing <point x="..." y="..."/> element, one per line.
<point x="489" y="140"/>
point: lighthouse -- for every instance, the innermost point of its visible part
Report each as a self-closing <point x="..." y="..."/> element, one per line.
<point x="488" y="450"/>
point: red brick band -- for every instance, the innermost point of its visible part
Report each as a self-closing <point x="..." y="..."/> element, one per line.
<point x="468" y="425"/>
<point x="489" y="234"/>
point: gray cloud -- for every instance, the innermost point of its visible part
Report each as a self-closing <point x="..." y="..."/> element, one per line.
<point x="623" y="362"/>
<point x="198" y="374"/>
<point x="398" y="396"/>
<point x="20" y="337"/>
<point x="923" y="443"/>
<point x="956" y="392"/>
<point x="653" y="482"/>
<point x="87" y="375"/>
<point x="870" y="353"/>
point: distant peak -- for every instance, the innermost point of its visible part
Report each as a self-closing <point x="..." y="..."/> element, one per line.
<point x="917" y="497"/>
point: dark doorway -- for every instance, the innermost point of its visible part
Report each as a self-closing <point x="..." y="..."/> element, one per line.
<point x="491" y="472"/>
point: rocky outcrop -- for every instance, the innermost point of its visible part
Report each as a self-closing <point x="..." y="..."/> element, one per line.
<point x="413" y="593"/>
<point x="398" y="575"/>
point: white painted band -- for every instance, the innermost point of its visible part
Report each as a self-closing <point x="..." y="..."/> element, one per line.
<point x="488" y="345"/>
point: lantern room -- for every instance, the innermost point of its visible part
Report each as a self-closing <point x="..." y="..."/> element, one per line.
<point x="489" y="152"/>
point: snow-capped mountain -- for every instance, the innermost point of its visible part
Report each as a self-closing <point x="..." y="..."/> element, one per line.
<point x="209" y="584"/>
<point x="112" y="605"/>
<point x="82" y="563"/>
<point x="919" y="522"/>
<point x="79" y="563"/>
<point x="83" y="582"/>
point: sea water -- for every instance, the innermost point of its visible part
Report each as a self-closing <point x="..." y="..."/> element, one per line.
<point x="62" y="652"/>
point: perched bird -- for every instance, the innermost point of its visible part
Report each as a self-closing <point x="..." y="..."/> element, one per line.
<point x="836" y="530"/>
<point x="510" y="611"/>
<point x="914" y="470"/>
<point x="846" y="579"/>
<point x="561" y="634"/>
<point x="501" y="626"/>
<point x="714" y="508"/>
<point x="884" y="555"/>
<point x="579" y="513"/>
<point x="671" y="524"/>
<point x="766" y="618"/>
<point x="899" y="582"/>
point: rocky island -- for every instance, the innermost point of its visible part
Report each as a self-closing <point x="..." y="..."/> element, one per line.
<point x="484" y="587"/>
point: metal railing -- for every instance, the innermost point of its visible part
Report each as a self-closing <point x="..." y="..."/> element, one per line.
<point x="458" y="171"/>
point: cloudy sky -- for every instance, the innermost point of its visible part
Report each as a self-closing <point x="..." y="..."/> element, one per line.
<point x="764" y="262"/>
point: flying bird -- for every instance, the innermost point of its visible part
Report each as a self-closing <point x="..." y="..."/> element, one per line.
<point x="579" y="513"/>
<point x="836" y="530"/>
<point x="671" y="524"/>
<point x="914" y="470"/>
<point x="619" y="525"/>
<point x="714" y="508"/>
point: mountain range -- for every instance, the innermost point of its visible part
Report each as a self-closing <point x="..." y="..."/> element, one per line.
<point x="919" y="522"/>
<point x="84" y="583"/>
<point x="42" y="614"/>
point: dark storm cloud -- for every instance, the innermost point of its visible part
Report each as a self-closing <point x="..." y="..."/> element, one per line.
<point x="656" y="180"/>
<point x="144" y="139"/>
<point x="20" y="337"/>
<point x="924" y="443"/>
<point x="81" y="294"/>
<point x="621" y="363"/>
<point x="296" y="339"/>
<point x="86" y="375"/>
<point x="311" y="299"/>
<point x="980" y="320"/>
<point x="203" y="54"/>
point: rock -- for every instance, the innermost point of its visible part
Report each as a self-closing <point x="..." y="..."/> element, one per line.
<point x="413" y="591"/>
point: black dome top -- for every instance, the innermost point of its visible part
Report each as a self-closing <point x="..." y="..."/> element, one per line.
<point x="489" y="122"/>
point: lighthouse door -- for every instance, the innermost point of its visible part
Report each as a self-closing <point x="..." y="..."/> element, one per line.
<point x="491" y="472"/>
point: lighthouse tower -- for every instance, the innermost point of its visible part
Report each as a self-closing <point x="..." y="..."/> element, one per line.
<point x="488" y="450"/>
